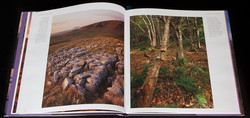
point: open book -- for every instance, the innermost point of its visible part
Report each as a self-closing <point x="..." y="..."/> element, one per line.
<point x="100" y="59"/>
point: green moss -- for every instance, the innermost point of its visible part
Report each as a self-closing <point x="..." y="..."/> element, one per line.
<point x="163" y="70"/>
<point x="180" y="62"/>
<point x="187" y="83"/>
<point x="201" y="99"/>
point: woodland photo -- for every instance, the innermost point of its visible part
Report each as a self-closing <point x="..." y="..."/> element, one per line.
<point x="169" y="65"/>
<point x="85" y="59"/>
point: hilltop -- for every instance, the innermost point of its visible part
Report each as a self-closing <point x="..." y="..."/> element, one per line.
<point x="111" y="28"/>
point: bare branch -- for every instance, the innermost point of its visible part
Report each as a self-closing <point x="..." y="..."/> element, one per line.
<point x="138" y="25"/>
<point x="149" y="33"/>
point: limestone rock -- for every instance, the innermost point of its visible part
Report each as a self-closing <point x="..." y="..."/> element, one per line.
<point x="64" y="72"/>
<point x="56" y="76"/>
<point x="84" y="71"/>
<point x="110" y="79"/>
<point x="75" y="70"/>
<point x="120" y="69"/>
<point x="81" y="90"/>
<point x="95" y="80"/>
<point x="66" y="83"/>
<point x="120" y="79"/>
<point x="81" y="79"/>
<point x="116" y="91"/>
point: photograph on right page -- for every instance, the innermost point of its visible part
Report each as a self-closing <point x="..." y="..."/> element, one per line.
<point x="168" y="63"/>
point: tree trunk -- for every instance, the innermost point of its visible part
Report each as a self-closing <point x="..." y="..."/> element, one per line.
<point x="136" y="31"/>
<point x="165" y="37"/>
<point x="147" y="90"/>
<point x="180" y="54"/>
<point x="197" y="34"/>
<point x="198" y="39"/>
<point x="178" y="31"/>
<point x="158" y="31"/>
<point x="149" y="32"/>
<point x="152" y="27"/>
<point x="191" y="32"/>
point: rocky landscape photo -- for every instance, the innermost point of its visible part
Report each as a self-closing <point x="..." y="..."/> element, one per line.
<point x="85" y="65"/>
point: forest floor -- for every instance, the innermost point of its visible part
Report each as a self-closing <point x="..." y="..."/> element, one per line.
<point x="185" y="85"/>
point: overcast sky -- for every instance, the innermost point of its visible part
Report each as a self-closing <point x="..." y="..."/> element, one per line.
<point x="79" y="19"/>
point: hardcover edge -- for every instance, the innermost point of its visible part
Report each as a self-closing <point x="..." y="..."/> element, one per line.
<point x="236" y="76"/>
<point x="13" y="76"/>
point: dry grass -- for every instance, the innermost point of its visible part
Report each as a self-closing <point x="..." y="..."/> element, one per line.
<point x="111" y="44"/>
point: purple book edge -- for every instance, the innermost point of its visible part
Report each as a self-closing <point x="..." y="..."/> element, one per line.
<point x="16" y="63"/>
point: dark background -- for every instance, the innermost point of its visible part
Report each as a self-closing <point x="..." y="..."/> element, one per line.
<point x="238" y="14"/>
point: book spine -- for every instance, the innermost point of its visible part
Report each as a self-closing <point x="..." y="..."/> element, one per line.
<point x="13" y="76"/>
<point x="230" y="38"/>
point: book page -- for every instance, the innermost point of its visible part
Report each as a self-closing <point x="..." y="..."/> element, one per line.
<point x="74" y="60"/>
<point x="178" y="62"/>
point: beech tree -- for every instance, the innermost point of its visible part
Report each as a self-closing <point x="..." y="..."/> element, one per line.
<point x="151" y="29"/>
<point x="197" y="33"/>
<point x="177" y="25"/>
<point x="165" y="37"/>
<point x="136" y="29"/>
<point x="190" y="24"/>
<point x="148" y="87"/>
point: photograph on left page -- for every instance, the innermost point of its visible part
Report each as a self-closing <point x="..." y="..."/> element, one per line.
<point x="85" y="63"/>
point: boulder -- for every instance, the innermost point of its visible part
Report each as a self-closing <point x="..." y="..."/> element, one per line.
<point x="81" y="90"/>
<point x="117" y="100"/>
<point x="78" y="54"/>
<point x="56" y="60"/>
<point x="64" y="72"/>
<point x="110" y="79"/>
<point x="109" y="68"/>
<point x="66" y="83"/>
<point x="56" y="76"/>
<point x="60" y="65"/>
<point x="51" y="63"/>
<point x="60" y="53"/>
<point x="100" y="73"/>
<point x="81" y="79"/>
<point x="75" y="70"/>
<point x="120" y="79"/>
<point x="72" y="63"/>
<point x="92" y="65"/>
<point x="120" y="69"/>
<point x="49" y="83"/>
<point x="115" y="91"/>
<point x="116" y="83"/>
<point x="50" y="72"/>
<point x="73" y="49"/>
<point x="66" y="61"/>
<point x="91" y="84"/>
<point x="108" y="96"/>
<point x="81" y="63"/>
